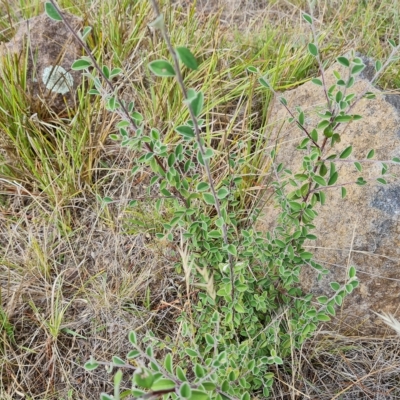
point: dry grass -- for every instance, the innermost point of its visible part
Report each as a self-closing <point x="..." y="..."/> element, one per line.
<point x="333" y="367"/>
<point x="76" y="276"/>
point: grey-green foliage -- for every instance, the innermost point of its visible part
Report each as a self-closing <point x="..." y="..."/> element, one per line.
<point x="251" y="313"/>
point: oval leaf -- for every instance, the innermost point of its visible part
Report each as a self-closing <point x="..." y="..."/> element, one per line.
<point x="333" y="179"/>
<point x="162" y="68"/>
<point x="313" y="49"/>
<point x="52" y="12"/>
<point x="163" y="384"/>
<point x="209" y="198"/>
<point x="346" y="152"/>
<point x="187" y="57"/>
<point x="81" y="64"/>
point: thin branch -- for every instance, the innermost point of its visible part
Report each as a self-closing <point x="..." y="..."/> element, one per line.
<point x="126" y="113"/>
<point x="196" y="126"/>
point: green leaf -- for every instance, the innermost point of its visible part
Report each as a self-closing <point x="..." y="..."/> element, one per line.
<point x="349" y="288"/>
<point x="322" y="299"/>
<point x="360" y="181"/>
<point x="168" y="363"/>
<point x="239" y="308"/>
<point x="162" y="68"/>
<point x="186" y="131"/>
<point x="150" y="351"/>
<point x="313" y="49"/>
<point x="343" y="118"/>
<point x="123" y="124"/>
<point x="117" y="378"/>
<point x="222" y="193"/>
<point x="321" y="181"/>
<point x="197" y="104"/>
<point x="199" y="395"/>
<point x="371" y="153"/>
<point x="180" y="374"/>
<point x="163" y="384"/>
<point x="278" y="360"/>
<point x="264" y="82"/>
<point x="330" y="310"/>
<point x="323" y="317"/>
<point x="352" y="272"/>
<point x="185" y="391"/>
<point x="202" y="186"/>
<point x="301" y="118"/>
<point x="106" y="71"/>
<point x="314" y="135"/>
<point x="323" y="124"/>
<point x="346" y="152"/>
<point x="115" y="72"/>
<point x="208" y="154"/>
<point x="207" y="385"/>
<point x="105" y="396"/>
<point x="81" y="64"/>
<point x="378" y="65"/>
<point x="191" y="352"/>
<point x="214" y="234"/>
<point x="344" y="192"/>
<point x="111" y="104"/>
<point x="328" y="131"/>
<point x="333" y="179"/>
<point x="335" y="286"/>
<point x="187" y="57"/>
<point x="317" y="81"/>
<point x="118" y="361"/>
<point x="133" y="354"/>
<point x="357" y="69"/>
<point x="252" y="69"/>
<point x="231" y="249"/>
<point x="208" y="198"/>
<point x="209" y="339"/>
<point x="171" y="160"/>
<point x="85" y="32"/>
<point x="338" y="299"/>
<point x="306" y="255"/>
<point x="350" y="82"/>
<point x="323" y="170"/>
<point x="91" y="365"/>
<point x="358" y="166"/>
<point x="52" y="12"/>
<point x="308" y="18"/>
<point x="200" y="158"/>
<point x="199" y="371"/>
<point x="137" y="116"/>
<point x="344" y="61"/>
<point x="295" y="206"/>
<point x="381" y="180"/>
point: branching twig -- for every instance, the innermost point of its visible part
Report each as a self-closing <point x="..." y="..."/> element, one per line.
<point x="196" y="127"/>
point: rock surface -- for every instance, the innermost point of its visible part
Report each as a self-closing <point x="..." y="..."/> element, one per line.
<point x="51" y="49"/>
<point x="364" y="228"/>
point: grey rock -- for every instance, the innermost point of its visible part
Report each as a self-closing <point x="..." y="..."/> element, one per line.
<point x="364" y="228"/>
<point x="51" y="49"/>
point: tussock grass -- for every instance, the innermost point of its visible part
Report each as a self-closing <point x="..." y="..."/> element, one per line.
<point x="76" y="276"/>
